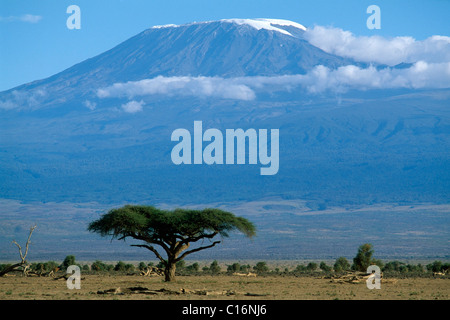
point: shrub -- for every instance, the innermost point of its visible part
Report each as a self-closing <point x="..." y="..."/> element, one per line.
<point x="142" y="266"/>
<point x="261" y="267"/>
<point x="214" y="267"/>
<point x="129" y="267"/>
<point x="311" y="266"/>
<point x="436" y="266"/>
<point x="341" y="264"/>
<point x="123" y="267"/>
<point x="193" y="267"/>
<point x="377" y="262"/>
<point x="393" y="266"/>
<point x="99" y="266"/>
<point x="44" y="266"/>
<point x="324" y="267"/>
<point x="363" y="258"/>
<point x="180" y="265"/>
<point x="68" y="261"/>
<point x="120" y="266"/>
<point x="235" y="267"/>
<point x="300" y="268"/>
<point x="245" y="268"/>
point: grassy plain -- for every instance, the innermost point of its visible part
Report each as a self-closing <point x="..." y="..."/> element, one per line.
<point x="238" y="287"/>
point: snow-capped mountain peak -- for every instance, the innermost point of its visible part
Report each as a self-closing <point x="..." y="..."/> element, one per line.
<point x="268" y="24"/>
<point x="258" y="24"/>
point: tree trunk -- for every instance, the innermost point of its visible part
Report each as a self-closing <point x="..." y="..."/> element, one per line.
<point x="11" y="268"/>
<point x="169" y="271"/>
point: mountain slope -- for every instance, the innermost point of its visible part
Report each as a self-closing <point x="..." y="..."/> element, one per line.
<point x="60" y="142"/>
<point x="226" y="48"/>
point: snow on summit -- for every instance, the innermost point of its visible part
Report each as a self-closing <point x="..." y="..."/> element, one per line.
<point x="267" y="24"/>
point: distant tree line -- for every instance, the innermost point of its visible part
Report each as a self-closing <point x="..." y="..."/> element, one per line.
<point x="361" y="261"/>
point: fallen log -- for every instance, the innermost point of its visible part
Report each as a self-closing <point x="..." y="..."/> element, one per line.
<point x="356" y="278"/>
<point x="152" y="271"/>
<point x="11" y="268"/>
<point x="182" y="291"/>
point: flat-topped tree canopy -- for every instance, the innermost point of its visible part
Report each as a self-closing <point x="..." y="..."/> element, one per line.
<point x="173" y="230"/>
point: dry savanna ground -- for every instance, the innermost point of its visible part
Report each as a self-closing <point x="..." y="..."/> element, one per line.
<point x="107" y="287"/>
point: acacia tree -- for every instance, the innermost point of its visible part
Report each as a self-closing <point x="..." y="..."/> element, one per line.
<point x="173" y="231"/>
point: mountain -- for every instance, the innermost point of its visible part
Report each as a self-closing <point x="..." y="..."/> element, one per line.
<point x="61" y="140"/>
<point x="226" y="48"/>
<point x="100" y="132"/>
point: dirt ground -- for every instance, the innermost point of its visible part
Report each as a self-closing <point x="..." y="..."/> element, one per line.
<point x="95" y="287"/>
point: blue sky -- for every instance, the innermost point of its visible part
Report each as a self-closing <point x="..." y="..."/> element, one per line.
<point x="35" y="42"/>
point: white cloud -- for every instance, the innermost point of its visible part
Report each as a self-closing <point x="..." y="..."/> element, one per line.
<point x="133" y="106"/>
<point x="90" y="105"/>
<point x="187" y="86"/>
<point x="23" y="99"/>
<point x="30" y="18"/>
<point x="390" y="51"/>
<point x="421" y="75"/>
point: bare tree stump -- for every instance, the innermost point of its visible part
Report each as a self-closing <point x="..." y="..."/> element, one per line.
<point x="23" y="263"/>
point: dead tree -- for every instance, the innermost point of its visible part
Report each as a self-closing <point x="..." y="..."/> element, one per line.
<point x="23" y="263"/>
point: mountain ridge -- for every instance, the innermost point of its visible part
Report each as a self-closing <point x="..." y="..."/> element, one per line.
<point x="63" y="140"/>
<point x="187" y="50"/>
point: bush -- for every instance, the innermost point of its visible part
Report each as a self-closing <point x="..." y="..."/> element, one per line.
<point x="393" y="266"/>
<point x="341" y="265"/>
<point x="44" y="266"/>
<point x="180" y="265"/>
<point x="100" y="266"/>
<point x="123" y="267"/>
<point x="235" y="267"/>
<point x="415" y="268"/>
<point x="120" y="266"/>
<point x="300" y="268"/>
<point x="193" y="267"/>
<point x="324" y="267"/>
<point x="261" y="267"/>
<point x="142" y="266"/>
<point x="436" y="266"/>
<point x="214" y="267"/>
<point x="68" y="261"/>
<point x="377" y="262"/>
<point x="245" y="268"/>
<point x="363" y="258"/>
<point x="311" y="266"/>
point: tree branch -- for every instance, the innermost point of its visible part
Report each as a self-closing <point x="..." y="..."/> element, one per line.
<point x="188" y="240"/>
<point x="10" y="268"/>
<point x="197" y="249"/>
<point x="24" y="256"/>
<point x="22" y="263"/>
<point x="28" y="242"/>
<point x="152" y="249"/>
<point x="150" y="240"/>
